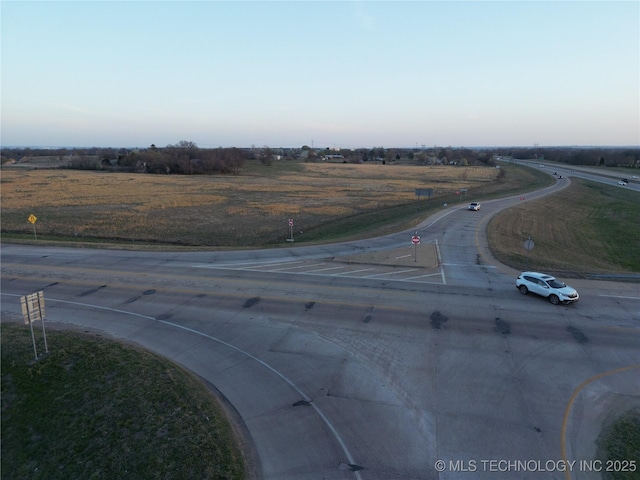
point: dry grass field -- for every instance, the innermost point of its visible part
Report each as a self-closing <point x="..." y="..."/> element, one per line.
<point x="247" y="210"/>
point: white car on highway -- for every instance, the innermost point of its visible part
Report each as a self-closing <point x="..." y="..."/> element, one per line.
<point x="474" y="206"/>
<point x="546" y="286"/>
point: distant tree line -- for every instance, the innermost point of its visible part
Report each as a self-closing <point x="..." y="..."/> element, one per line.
<point x="186" y="158"/>
<point x="592" y="156"/>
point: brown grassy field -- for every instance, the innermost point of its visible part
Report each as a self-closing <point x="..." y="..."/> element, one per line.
<point x="247" y="210"/>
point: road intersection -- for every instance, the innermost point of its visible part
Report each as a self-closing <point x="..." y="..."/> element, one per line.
<point x="346" y="361"/>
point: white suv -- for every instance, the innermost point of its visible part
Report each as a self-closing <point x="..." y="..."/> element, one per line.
<point x="546" y="286"/>
<point x="474" y="206"/>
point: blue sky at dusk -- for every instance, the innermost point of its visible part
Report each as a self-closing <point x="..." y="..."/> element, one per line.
<point x="333" y="73"/>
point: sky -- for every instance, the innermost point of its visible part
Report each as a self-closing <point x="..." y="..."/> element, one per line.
<point x="337" y="74"/>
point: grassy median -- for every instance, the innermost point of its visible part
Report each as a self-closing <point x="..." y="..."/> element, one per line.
<point x="586" y="228"/>
<point x="101" y="409"/>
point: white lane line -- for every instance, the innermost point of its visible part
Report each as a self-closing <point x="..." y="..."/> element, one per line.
<point x="403" y="256"/>
<point x="444" y="280"/>
<point x="335" y="433"/>
<point x="291" y="268"/>
<point x="240" y="265"/>
<point x="259" y="265"/>
<point x="440" y="218"/>
<point x="422" y="276"/>
<point x="355" y="271"/>
<point x="324" y="269"/>
<point x="619" y="296"/>
<point x="390" y="273"/>
<point x="468" y="265"/>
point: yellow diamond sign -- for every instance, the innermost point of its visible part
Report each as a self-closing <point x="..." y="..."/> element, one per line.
<point x="32" y="218"/>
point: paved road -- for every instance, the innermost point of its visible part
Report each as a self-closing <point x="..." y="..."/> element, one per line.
<point x="370" y="374"/>
<point x="610" y="176"/>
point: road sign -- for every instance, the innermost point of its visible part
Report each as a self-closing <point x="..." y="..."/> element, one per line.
<point x="32" y="219"/>
<point x="415" y="239"/>
<point x="32" y="307"/>
<point x="290" y="239"/>
<point x="33" y="310"/>
<point x="424" y="192"/>
<point x="528" y="244"/>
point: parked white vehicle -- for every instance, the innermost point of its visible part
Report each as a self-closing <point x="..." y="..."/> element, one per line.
<point x="546" y="286"/>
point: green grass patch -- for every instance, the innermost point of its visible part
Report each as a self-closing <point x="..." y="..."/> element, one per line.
<point x="98" y="409"/>
<point x="586" y="228"/>
<point x="620" y="445"/>
<point x="616" y="212"/>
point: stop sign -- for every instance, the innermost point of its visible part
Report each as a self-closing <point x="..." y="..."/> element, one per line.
<point x="415" y="239"/>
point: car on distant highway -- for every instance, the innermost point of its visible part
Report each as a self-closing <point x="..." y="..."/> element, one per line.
<point x="635" y="177"/>
<point x="474" y="206"/>
<point x="546" y="286"/>
<point x="622" y="182"/>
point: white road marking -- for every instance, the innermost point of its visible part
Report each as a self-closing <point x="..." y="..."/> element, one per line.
<point x="329" y="268"/>
<point x="355" y="271"/>
<point x="389" y="273"/>
<point x="422" y="276"/>
<point x="468" y="265"/>
<point x="444" y="280"/>
<point x="619" y="296"/>
<point x="291" y="268"/>
<point x="236" y="265"/>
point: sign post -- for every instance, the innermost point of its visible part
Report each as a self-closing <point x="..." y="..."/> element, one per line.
<point x="33" y="310"/>
<point x="33" y="219"/>
<point x="424" y="192"/>
<point x="415" y="239"/>
<point x="290" y="230"/>
<point x="528" y="246"/>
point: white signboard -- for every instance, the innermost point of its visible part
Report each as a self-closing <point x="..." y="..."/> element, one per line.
<point x="33" y="307"/>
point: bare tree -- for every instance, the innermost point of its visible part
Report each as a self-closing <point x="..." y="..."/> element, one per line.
<point x="234" y="160"/>
<point x="266" y="156"/>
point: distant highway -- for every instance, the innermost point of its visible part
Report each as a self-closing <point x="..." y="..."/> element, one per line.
<point x="609" y="176"/>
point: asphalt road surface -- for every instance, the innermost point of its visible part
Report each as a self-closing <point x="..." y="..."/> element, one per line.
<point x="372" y="359"/>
